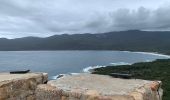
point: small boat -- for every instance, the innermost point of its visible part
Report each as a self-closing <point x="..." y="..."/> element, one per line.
<point x="19" y="72"/>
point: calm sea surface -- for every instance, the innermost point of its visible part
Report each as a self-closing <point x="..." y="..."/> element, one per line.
<point x="63" y="62"/>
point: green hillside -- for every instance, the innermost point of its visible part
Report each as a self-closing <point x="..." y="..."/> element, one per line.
<point x="132" y="40"/>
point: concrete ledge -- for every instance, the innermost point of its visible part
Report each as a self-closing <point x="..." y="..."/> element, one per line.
<point x="20" y="86"/>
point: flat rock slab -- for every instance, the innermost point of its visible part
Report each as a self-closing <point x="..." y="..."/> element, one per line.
<point x="96" y="87"/>
<point x="20" y="86"/>
<point x="10" y="77"/>
<point x="104" y="85"/>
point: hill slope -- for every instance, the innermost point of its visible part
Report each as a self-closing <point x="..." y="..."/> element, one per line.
<point x="134" y="40"/>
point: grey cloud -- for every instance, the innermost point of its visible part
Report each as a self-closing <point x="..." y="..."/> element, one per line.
<point x="142" y="19"/>
<point x="132" y="19"/>
<point x="20" y="18"/>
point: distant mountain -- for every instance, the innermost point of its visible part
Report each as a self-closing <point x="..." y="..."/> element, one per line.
<point x="133" y="40"/>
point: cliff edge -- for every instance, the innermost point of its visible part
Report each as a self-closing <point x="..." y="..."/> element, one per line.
<point x="33" y="86"/>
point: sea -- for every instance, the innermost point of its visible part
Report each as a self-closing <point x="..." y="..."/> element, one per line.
<point x="70" y="62"/>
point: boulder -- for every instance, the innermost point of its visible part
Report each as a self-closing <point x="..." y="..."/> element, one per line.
<point x="98" y="87"/>
<point x="20" y="86"/>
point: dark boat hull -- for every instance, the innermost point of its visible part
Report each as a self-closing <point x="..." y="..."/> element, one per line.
<point x="19" y="72"/>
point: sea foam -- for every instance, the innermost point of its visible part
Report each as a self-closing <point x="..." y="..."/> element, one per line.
<point x="154" y="53"/>
<point x="120" y="63"/>
<point x="150" y="53"/>
<point x="90" y="68"/>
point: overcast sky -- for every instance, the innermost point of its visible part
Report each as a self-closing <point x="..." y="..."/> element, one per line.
<point x="20" y="18"/>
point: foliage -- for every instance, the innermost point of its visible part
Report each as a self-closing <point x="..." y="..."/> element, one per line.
<point x="133" y="40"/>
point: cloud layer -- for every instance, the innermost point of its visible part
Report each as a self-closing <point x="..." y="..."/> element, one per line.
<point x="20" y="18"/>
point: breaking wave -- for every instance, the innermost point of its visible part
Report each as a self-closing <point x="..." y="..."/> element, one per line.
<point x="150" y="53"/>
<point x="154" y="53"/>
<point x="90" y="68"/>
<point x="120" y="63"/>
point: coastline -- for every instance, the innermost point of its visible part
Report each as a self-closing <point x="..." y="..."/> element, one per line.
<point x="154" y="70"/>
<point x="91" y="69"/>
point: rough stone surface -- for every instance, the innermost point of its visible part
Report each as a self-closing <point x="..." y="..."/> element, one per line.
<point x="20" y="86"/>
<point x="97" y="87"/>
<point x="31" y="86"/>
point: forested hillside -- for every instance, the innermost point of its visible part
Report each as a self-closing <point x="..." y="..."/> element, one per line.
<point x="133" y="40"/>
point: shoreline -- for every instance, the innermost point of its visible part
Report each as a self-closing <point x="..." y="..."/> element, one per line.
<point x="155" y="70"/>
<point x="90" y="69"/>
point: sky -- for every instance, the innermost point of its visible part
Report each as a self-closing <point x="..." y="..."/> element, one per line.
<point x="42" y="18"/>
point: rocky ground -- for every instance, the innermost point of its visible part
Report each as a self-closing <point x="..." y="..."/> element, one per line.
<point x="33" y="86"/>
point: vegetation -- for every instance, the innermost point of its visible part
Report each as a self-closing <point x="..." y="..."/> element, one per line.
<point x="132" y="40"/>
<point x="156" y="70"/>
